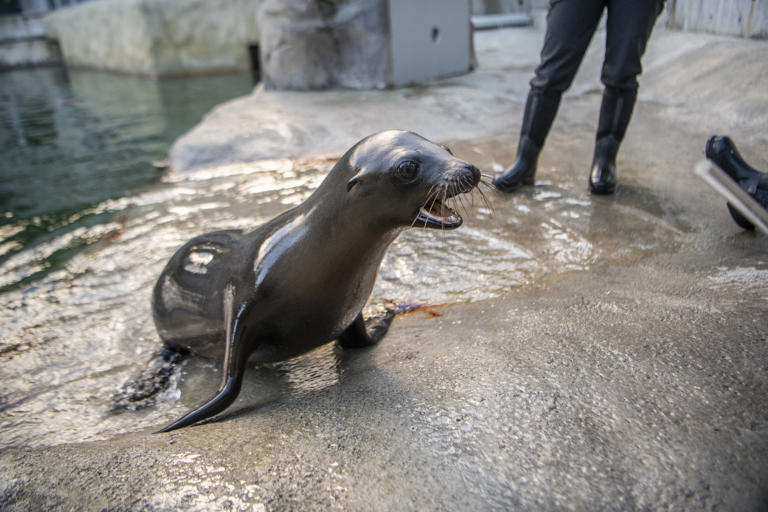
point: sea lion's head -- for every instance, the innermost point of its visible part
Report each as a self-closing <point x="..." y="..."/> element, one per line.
<point x="410" y="178"/>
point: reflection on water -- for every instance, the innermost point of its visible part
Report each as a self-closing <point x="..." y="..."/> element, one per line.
<point x="69" y="339"/>
<point x="70" y="141"/>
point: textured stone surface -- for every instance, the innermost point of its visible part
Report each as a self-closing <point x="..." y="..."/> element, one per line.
<point x="643" y="389"/>
<point x="157" y="37"/>
<point x="312" y="44"/>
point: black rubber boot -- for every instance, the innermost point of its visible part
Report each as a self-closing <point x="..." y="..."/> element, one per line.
<point x="540" y="111"/>
<point x="722" y="151"/>
<point x="615" y="113"/>
<point x="602" y="179"/>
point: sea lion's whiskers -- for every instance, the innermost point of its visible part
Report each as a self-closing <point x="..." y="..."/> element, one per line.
<point x="470" y="189"/>
<point x="485" y="200"/>
<point x="431" y="196"/>
<point x="453" y="194"/>
<point x="485" y="181"/>
<point x="426" y="200"/>
<point x="459" y="196"/>
<point x="436" y="195"/>
<point x="489" y="188"/>
<point x="429" y="192"/>
<point x="434" y="198"/>
<point x="445" y="198"/>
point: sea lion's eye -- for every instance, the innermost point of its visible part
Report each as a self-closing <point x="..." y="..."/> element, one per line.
<point x="407" y="170"/>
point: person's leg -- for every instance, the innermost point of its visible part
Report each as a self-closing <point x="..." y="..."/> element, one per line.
<point x="570" y="26"/>
<point x="628" y="28"/>
<point x="540" y="110"/>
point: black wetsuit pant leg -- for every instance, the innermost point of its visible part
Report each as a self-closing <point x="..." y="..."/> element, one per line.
<point x="628" y="28"/>
<point x="570" y="27"/>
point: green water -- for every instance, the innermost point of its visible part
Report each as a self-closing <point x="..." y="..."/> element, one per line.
<point x="71" y="140"/>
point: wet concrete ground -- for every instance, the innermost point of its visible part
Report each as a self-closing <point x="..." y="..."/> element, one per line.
<point x="632" y="375"/>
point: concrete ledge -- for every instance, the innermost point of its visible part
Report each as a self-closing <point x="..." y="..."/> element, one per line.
<point x="157" y="38"/>
<point x="28" y="52"/>
<point x="489" y="21"/>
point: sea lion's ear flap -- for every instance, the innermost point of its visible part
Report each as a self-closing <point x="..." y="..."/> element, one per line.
<point x="355" y="179"/>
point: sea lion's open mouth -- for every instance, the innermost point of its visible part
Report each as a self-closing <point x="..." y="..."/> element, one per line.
<point x="435" y="214"/>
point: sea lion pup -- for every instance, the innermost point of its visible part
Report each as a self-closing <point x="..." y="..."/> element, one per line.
<point x="301" y="280"/>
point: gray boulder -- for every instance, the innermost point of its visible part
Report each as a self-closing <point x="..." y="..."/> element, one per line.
<point x="319" y="44"/>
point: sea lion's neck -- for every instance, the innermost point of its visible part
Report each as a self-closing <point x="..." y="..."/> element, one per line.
<point x="344" y="231"/>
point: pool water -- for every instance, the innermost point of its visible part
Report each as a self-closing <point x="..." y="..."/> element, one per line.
<point x="72" y="139"/>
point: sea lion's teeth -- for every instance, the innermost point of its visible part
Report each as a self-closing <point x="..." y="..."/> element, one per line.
<point x="428" y="214"/>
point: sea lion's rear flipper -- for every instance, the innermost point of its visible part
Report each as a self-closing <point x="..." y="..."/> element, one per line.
<point x="235" y="356"/>
<point x="357" y="336"/>
<point x="155" y="379"/>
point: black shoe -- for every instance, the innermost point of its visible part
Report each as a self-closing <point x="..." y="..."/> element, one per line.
<point x="540" y="111"/>
<point x="602" y="179"/>
<point x="523" y="170"/>
<point x="722" y="151"/>
<point x="615" y="113"/>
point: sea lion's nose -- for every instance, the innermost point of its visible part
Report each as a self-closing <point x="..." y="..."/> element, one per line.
<point x="473" y="172"/>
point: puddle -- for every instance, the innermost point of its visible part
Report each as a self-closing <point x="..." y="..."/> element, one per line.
<point x="73" y="336"/>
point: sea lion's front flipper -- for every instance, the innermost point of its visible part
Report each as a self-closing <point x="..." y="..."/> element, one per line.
<point x="235" y="356"/>
<point x="357" y="336"/>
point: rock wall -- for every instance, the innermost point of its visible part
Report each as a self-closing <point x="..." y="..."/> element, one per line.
<point x="317" y="44"/>
<point x="157" y="37"/>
